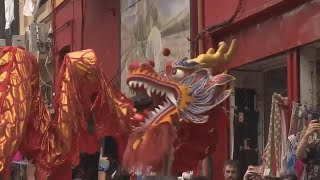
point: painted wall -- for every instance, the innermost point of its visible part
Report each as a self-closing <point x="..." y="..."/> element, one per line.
<point x="148" y="27"/>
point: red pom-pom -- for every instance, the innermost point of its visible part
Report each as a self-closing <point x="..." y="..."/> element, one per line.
<point x="166" y="52"/>
<point x="138" y="117"/>
<point x="152" y="63"/>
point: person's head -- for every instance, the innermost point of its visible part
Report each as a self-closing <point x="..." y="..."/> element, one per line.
<point x="231" y="170"/>
<point x="289" y="177"/>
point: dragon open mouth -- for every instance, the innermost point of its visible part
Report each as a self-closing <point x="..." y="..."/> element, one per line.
<point x="163" y="99"/>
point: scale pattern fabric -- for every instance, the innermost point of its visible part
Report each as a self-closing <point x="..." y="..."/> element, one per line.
<point x="17" y="81"/>
<point x="52" y="141"/>
<point x="273" y="156"/>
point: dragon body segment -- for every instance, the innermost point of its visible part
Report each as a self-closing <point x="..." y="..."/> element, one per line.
<point x="52" y="140"/>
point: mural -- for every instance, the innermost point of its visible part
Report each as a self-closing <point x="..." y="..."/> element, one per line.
<point x="149" y="26"/>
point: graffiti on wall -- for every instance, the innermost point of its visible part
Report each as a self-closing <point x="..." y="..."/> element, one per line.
<point x="148" y="27"/>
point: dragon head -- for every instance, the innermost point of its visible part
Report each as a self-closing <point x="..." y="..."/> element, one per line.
<point x="186" y="87"/>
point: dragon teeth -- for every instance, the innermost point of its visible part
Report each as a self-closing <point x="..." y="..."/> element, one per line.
<point x="153" y="89"/>
<point x="162" y="92"/>
<point x="135" y="83"/>
<point x="148" y="91"/>
<point x="157" y="110"/>
<point x="149" y="114"/>
<point x="172" y="99"/>
<point x="158" y="91"/>
<point x="167" y="103"/>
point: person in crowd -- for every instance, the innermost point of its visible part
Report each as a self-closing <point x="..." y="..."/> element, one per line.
<point x="252" y="173"/>
<point x="31" y="169"/>
<point x="289" y="177"/>
<point x="308" y="150"/>
<point x="231" y="170"/>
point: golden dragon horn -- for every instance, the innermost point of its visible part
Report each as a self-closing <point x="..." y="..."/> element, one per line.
<point x="215" y="58"/>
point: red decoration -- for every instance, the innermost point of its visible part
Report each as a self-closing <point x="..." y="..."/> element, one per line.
<point x="152" y="63"/>
<point x="166" y="52"/>
<point x="138" y="117"/>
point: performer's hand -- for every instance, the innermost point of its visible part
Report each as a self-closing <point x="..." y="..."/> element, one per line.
<point x="313" y="126"/>
<point x="252" y="174"/>
<point x="249" y="173"/>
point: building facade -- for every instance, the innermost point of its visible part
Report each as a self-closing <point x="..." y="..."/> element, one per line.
<point x="278" y="53"/>
<point x="88" y="24"/>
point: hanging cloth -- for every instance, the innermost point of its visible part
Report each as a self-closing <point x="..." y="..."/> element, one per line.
<point x="295" y="127"/>
<point x="154" y="48"/>
<point x="274" y="164"/>
<point x="9" y="12"/>
<point x="31" y="7"/>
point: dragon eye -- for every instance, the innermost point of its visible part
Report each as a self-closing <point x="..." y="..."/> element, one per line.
<point x="178" y="74"/>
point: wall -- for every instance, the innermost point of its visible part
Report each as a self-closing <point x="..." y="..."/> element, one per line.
<point x="308" y="76"/>
<point x="67" y="26"/>
<point x="280" y="26"/>
<point x="101" y="32"/>
<point x="219" y="10"/>
<point x="44" y="12"/>
<point x="87" y="24"/>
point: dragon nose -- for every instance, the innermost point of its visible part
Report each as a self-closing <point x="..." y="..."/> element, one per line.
<point x="134" y="65"/>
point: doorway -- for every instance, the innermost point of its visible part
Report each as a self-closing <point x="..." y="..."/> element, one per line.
<point x="250" y="107"/>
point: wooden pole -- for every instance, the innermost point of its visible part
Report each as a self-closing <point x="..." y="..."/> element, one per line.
<point x="200" y="25"/>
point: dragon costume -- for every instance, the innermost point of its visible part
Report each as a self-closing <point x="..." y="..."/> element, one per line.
<point x="82" y="94"/>
<point x="181" y="95"/>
